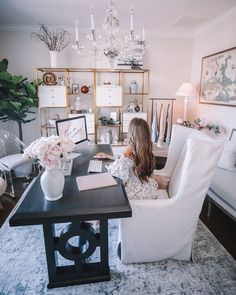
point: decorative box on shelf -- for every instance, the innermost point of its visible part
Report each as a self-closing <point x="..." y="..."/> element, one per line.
<point x="52" y="96"/>
<point x="108" y="95"/>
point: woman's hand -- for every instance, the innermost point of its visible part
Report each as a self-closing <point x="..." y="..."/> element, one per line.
<point x="103" y="156"/>
<point x="128" y="151"/>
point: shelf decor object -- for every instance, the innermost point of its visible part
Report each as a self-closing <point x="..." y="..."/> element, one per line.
<point x="129" y="48"/>
<point x="218" y="82"/>
<point x="133" y="87"/>
<point x="49" y="79"/>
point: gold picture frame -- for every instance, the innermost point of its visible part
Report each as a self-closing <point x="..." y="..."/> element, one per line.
<point x="218" y="78"/>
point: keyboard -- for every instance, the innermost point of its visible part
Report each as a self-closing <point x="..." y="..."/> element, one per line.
<point x="95" y="166"/>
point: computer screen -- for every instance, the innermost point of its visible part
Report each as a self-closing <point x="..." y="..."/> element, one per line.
<point x="73" y="128"/>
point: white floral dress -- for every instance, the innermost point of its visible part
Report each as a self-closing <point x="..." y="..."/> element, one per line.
<point x="122" y="168"/>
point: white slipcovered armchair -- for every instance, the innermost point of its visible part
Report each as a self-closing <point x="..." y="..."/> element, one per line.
<point x="165" y="228"/>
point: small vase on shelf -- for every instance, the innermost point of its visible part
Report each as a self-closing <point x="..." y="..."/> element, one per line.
<point x="133" y="87"/>
<point x="137" y="108"/>
<point x="52" y="183"/>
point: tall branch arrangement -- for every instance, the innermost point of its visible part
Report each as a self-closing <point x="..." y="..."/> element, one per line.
<point x="55" y="40"/>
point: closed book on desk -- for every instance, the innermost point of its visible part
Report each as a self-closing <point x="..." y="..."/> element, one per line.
<point x="94" y="181"/>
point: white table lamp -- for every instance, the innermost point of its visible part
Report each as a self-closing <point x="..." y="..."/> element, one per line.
<point x="187" y="90"/>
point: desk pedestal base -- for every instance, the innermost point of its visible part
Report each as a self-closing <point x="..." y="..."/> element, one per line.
<point x="81" y="271"/>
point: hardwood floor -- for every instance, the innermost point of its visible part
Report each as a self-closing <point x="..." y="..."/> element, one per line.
<point x="7" y="203"/>
<point x="219" y="223"/>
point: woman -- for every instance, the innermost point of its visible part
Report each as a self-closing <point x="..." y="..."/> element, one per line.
<point x="136" y="165"/>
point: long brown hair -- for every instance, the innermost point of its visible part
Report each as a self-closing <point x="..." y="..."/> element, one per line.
<point x="139" y="138"/>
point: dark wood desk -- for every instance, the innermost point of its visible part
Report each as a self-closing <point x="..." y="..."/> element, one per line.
<point x="75" y="208"/>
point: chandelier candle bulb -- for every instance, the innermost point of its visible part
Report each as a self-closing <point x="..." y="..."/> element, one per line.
<point x="92" y="17"/>
<point x="77" y="30"/>
<point x="126" y="40"/>
<point x="131" y="18"/>
<point x="143" y="33"/>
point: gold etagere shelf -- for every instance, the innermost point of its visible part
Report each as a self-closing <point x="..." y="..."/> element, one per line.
<point x="123" y="77"/>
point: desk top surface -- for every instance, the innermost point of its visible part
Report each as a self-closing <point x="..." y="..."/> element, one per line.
<point x="108" y="202"/>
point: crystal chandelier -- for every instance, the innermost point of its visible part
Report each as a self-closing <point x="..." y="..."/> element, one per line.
<point x="128" y="49"/>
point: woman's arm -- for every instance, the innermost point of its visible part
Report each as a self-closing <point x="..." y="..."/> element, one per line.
<point x="120" y="168"/>
<point x="103" y="156"/>
<point x="127" y="153"/>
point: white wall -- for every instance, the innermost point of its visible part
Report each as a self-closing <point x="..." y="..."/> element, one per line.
<point x="169" y="60"/>
<point x="220" y="35"/>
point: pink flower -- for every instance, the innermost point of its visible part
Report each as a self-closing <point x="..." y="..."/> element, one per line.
<point x="49" y="150"/>
<point x="55" y="149"/>
<point x="179" y="121"/>
<point x="49" y="161"/>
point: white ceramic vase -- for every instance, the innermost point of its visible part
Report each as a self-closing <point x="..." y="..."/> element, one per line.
<point x="52" y="183"/>
<point x="53" y="59"/>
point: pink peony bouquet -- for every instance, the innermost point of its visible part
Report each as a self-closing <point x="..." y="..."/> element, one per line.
<point x="49" y="150"/>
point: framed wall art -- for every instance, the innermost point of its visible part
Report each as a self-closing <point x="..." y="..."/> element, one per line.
<point x="218" y="78"/>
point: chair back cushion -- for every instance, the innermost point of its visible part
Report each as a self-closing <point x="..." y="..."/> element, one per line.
<point x="195" y="167"/>
<point x="178" y="138"/>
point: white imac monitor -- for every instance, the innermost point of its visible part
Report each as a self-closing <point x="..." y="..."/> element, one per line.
<point x="73" y="128"/>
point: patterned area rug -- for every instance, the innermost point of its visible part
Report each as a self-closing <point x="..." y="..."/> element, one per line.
<point x="23" y="269"/>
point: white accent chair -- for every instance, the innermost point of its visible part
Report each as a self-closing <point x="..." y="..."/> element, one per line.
<point x="165" y="228"/>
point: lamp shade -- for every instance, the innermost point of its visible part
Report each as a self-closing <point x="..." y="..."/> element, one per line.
<point x="187" y="89"/>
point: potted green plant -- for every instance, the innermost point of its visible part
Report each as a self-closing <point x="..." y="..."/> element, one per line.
<point x="18" y="97"/>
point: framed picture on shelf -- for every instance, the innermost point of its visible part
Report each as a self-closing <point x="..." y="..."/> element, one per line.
<point x="75" y="88"/>
<point x="218" y="78"/>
